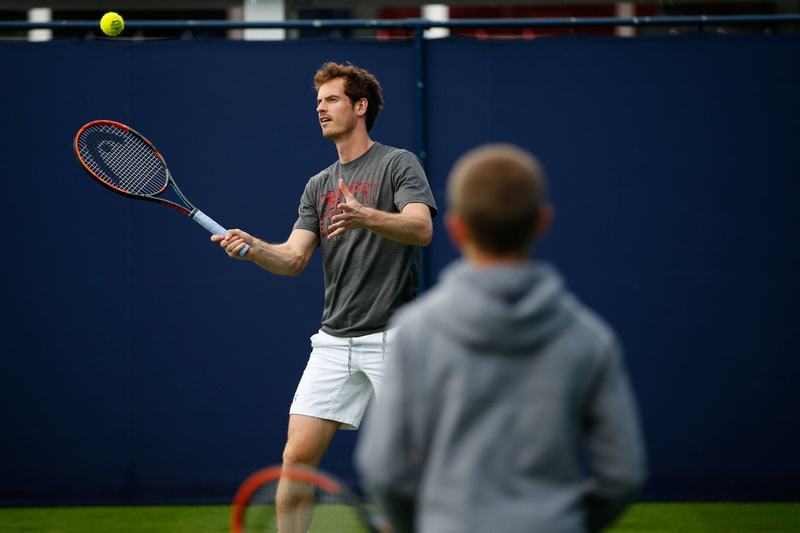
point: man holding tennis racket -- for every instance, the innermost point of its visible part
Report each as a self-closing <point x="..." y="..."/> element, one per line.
<point x="369" y="212"/>
<point x="501" y="386"/>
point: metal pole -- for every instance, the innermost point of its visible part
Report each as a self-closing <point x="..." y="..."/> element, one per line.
<point x="420" y="126"/>
<point x="419" y="92"/>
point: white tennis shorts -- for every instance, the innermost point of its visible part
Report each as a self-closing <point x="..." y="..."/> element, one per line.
<point x="341" y="376"/>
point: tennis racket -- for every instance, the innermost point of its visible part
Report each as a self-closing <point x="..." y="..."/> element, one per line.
<point x="124" y="161"/>
<point x="311" y="500"/>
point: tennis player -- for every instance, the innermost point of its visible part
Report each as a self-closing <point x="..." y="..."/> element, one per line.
<point x="369" y="212"/>
<point x="500" y="382"/>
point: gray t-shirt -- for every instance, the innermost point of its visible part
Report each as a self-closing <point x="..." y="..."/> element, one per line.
<point x="367" y="276"/>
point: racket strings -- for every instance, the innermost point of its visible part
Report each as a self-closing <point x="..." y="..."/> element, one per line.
<point x="122" y="160"/>
<point x="311" y="509"/>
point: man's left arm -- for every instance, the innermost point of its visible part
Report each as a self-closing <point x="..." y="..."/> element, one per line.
<point x="413" y="225"/>
<point x="615" y="445"/>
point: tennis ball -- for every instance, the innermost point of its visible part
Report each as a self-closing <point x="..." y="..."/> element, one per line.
<point x="112" y="24"/>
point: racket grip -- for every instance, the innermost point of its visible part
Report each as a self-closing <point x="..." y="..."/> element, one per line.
<point x="215" y="229"/>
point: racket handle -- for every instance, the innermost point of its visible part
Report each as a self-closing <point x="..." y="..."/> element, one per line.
<point x="211" y="225"/>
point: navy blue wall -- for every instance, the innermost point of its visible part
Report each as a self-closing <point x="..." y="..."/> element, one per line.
<point x="141" y="365"/>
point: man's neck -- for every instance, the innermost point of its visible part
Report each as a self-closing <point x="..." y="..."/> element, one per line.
<point x="354" y="147"/>
<point x="483" y="259"/>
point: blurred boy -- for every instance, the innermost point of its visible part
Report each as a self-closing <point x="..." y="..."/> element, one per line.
<point x="501" y="387"/>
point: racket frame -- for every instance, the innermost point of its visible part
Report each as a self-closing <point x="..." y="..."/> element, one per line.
<point x="187" y="208"/>
<point x="314" y="477"/>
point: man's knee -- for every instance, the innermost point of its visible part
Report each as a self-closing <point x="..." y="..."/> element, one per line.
<point x="292" y="457"/>
<point x="308" y="438"/>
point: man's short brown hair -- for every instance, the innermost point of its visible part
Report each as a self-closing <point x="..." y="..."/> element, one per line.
<point x="358" y="84"/>
<point x="498" y="190"/>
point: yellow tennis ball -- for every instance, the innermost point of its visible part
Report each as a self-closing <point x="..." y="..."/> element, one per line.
<point x="112" y="24"/>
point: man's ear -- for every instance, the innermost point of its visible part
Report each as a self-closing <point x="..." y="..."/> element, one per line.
<point x="361" y="107"/>
<point x="542" y="223"/>
<point x="456" y="229"/>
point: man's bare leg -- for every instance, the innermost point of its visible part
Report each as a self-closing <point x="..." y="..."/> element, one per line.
<point x="308" y="438"/>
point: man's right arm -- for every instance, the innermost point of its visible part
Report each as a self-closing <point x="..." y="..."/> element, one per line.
<point x="387" y="456"/>
<point x="286" y="259"/>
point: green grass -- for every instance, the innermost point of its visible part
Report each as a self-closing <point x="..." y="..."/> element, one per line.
<point x="167" y="519"/>
<point x="641" y="518"/>
<point x="710" y="518"/>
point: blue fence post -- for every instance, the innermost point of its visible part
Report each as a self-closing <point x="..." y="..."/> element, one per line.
<point x="419" y="89"/>
<point x="420" y="126"/>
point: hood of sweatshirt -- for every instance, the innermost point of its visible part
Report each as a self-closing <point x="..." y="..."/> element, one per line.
<point x="509" y="308"/>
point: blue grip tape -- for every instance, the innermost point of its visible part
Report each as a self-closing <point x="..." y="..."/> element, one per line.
<point x="215" y="229"/>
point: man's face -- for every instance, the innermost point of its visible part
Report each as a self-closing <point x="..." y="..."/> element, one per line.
<point x="337" y="114"/>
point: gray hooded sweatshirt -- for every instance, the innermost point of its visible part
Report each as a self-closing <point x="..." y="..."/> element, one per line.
<point x="505" y="409"/>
